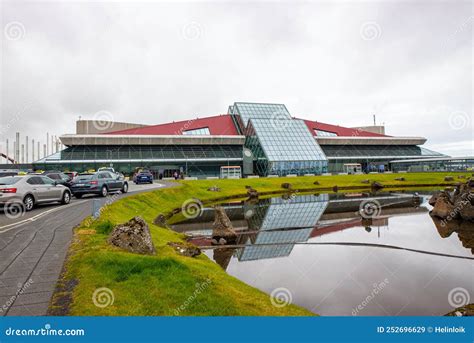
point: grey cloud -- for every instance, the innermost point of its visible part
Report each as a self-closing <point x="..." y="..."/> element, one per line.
<point x="136" y="61"/>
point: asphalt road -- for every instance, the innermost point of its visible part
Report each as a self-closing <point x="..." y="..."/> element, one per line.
<point x="33" y="248"/>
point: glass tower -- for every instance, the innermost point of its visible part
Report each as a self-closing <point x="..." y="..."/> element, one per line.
<point x="280" y="144"/>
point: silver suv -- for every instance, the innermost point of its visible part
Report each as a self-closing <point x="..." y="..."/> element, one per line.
<point x="29" y="190"/>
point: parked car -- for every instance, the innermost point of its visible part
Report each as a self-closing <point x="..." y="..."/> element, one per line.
<point x="109" y="169"/>
<point x="143" y="176"/>
<point x="60" y="178"/>
<point x="101" y="183"/>
<point x="8" y="172"/>
<point x="30" y="190"/>
<point x="72" y="174"/>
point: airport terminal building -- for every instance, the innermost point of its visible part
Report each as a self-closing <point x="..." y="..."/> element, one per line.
<point x="253" y="138"/>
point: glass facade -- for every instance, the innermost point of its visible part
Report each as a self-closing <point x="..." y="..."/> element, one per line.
<point x="200" y="131"/>
<point x="374" y="151"/>
<point x="150" y="152"/>
<point x="190" y="160"/>
<point x="285" y="149"/>
<point x="280" y="144"/>
<point x="431" y="164"/>
<point x="262" y="111"/>
<point x="322" y="133"/>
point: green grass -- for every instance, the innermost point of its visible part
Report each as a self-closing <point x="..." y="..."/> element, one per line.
<point x="170" y="284"/>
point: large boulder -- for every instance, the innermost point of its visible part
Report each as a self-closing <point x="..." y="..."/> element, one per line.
<point x="464" y="205"/>
<point x="133" y="236"/>
<point x="434" y="197"/>
<point x="443" y="207"/>
<point x="222" y="229"/>
<point x="458" y="203"/>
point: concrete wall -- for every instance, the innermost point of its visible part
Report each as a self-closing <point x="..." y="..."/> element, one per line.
<point x="90" y="127"/>
<point x="380" y="129"/>
<point x="70" y="140"/>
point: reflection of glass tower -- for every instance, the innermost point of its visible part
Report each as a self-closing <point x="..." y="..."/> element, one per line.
<point x="280" y="221"/>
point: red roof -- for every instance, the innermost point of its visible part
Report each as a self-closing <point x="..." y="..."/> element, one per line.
<point x="339" y="130"/>
<point x="218" y="125"/>
<point x="223" y="125"/>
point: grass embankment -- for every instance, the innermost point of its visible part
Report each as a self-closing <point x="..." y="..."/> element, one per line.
<point x="170" y="284"/>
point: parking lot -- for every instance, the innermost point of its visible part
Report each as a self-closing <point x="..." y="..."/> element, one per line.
<point x="33" y="247"/>
<point x="7" y="219"/>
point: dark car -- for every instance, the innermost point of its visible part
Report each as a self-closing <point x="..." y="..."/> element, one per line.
<point x="8" y="172"/>
<point x="100" y="183"/>
<point x="143" y="176"/>
<point x="60" y="178"/>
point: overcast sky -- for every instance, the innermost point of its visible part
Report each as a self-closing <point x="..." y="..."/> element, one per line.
<point x="408" y="62"/>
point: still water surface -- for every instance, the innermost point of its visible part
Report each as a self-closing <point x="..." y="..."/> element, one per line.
<point x="283" y="253"/>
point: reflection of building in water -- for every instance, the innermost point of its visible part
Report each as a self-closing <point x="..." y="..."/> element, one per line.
<point x="463" y="228"/>
<point x="292" y="220"/>
<point x="297" y="216"/>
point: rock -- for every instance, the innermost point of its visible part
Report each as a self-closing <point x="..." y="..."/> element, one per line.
<point x="464" y="205"/>
<point x="286" y="185"/>
<point x="399" y="179"/>
<point x="461" y="177"/>
<point x="365" y="181"/>
<point x="316" y="183"/>
<point x="463" y="311"/>
<point x="443" y="207"/>
<point x="223" y="257"/>
<point x="222" y="227"/>
<point x="434" y="197"/>
<point x="457" y="204"/>
<point x="448" y="178"/>
<point x="133" y="236"/>
<point x="376" y="185"/>
<point x="185" y="249"/>
<point x="214" y="189"/>
<point x="160" y="220"/>
<point x="252" y="193"/>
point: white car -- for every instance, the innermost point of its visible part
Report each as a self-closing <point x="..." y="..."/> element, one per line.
<point x="29" y="190"/>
